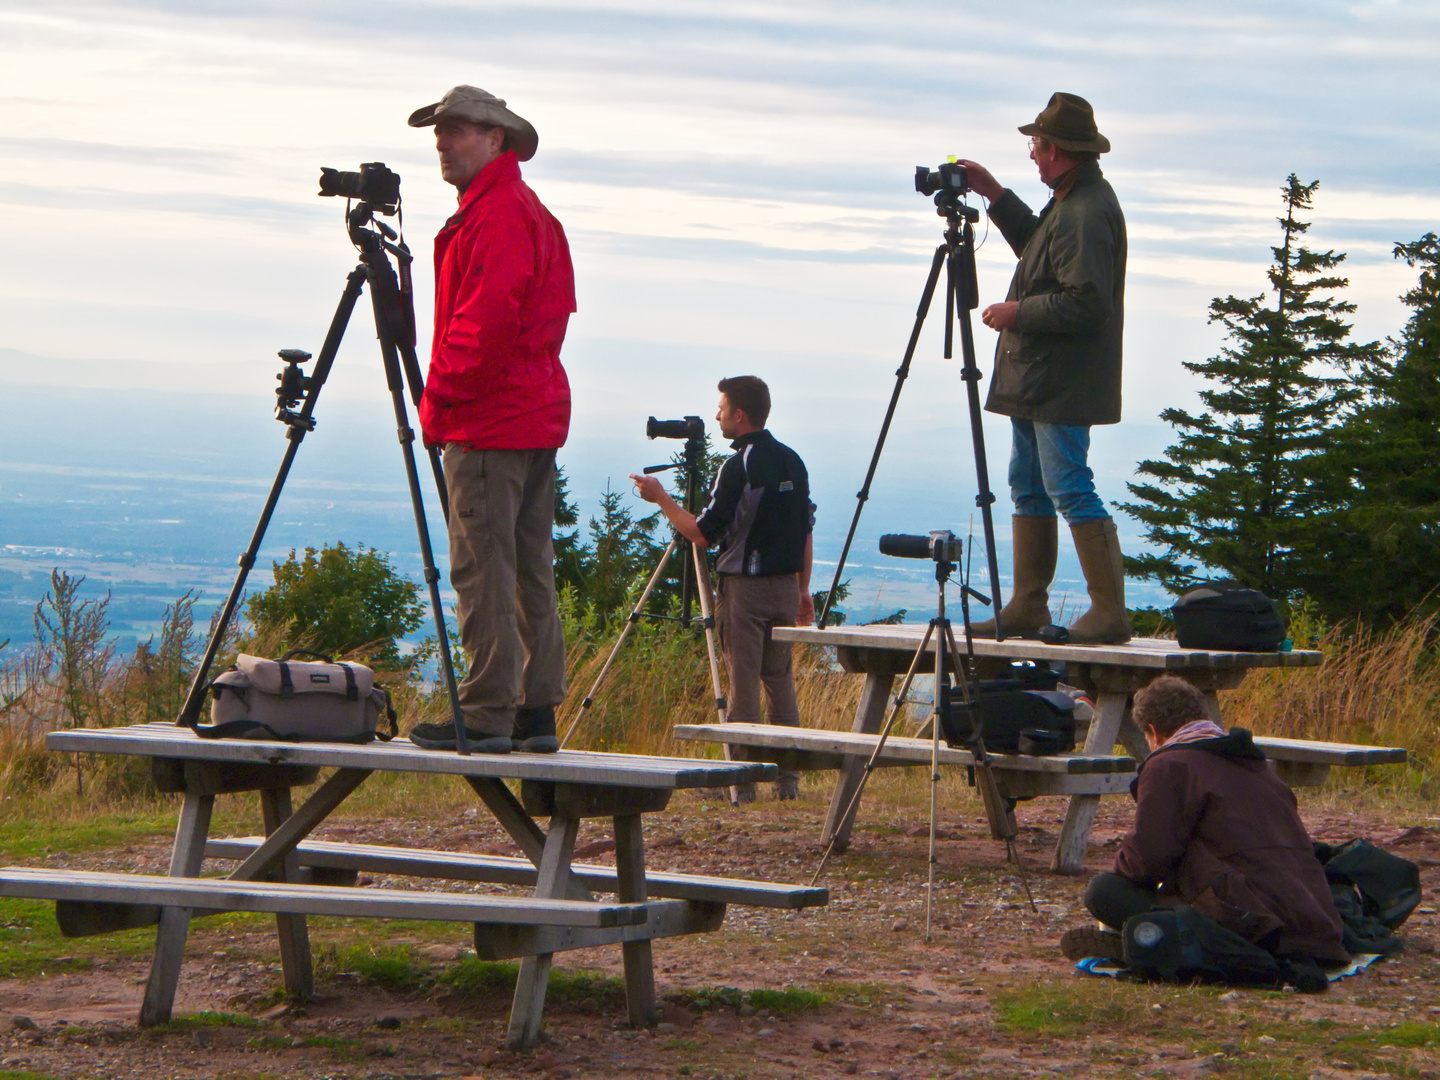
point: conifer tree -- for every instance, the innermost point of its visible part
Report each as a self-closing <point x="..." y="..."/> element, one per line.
<point x="1235" y="493"/>
<point x="1385" y="470"/>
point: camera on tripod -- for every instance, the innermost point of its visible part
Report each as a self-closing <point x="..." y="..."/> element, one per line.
<point x="942" y="545"/>
<point x="950" y="179"/>
<point x="373" y="184"/>
<point x="692" y="427"/>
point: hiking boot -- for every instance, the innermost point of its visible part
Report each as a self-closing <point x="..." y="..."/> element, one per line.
<point x="442" y="737"/>
<point x="535" y="730"/>
<point x="788" y="787"/>
<point x="1305" y="975"/>
<point x="1034" y="542"/>
<point x="1107" y="622"/>
<point x="1083" y="942"/>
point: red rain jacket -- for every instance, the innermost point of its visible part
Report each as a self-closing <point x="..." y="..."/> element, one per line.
<point x="504" y="291"/>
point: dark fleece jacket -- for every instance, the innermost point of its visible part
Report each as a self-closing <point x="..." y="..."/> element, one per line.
<point x="1217" y="829"/>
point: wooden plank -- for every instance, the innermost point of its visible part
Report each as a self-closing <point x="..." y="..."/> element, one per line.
<point x="668" y="918"/>
<point x="222" y="894"/>
<point x="290" y="830"/>
<point x="186" y="856"/>
<point x="551" y="878"/>
<point x="637" y="955"/>
<point x="505" y="870"/>
<point x="1322" y="753"/>
<point x="292" y="930"/>
<point x="1151" y="653"/>
<point x="1080" y="814"/>
<point x="898" y="750"/>
<point x="1024" y="785"/>
<point x="869" y="718"/>
<point x="568" y="766"/>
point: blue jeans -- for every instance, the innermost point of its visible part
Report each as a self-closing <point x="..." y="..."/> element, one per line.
<point x="1048" y="471"/>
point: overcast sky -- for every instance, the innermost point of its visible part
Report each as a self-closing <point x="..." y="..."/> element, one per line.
<point x="735" y="179"/>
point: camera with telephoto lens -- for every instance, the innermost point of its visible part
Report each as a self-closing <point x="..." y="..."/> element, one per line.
<point x="950" y="178"/>
<point x="373" y="184"/>
<point x="942" y="546"/>
<point x="692" y="427"/>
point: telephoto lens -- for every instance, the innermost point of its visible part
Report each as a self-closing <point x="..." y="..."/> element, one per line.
<point x="905" y="546"/>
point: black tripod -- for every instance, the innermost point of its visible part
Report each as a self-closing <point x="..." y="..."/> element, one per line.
<point x="694" y="579"/>
<point x="957" y="256"/>
<point x="393" y="303"/>
<point x="939" y="640"/>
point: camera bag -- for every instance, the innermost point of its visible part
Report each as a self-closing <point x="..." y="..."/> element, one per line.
<point x="1227" y="616"/>
<point x="1009" y="714"/>
<point x="298" y="701"/>
<point x="1180" y="944"/>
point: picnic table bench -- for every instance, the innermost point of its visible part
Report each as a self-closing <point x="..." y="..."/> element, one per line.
<point x="1109" y="674"/>
<point x="286" y="874"/>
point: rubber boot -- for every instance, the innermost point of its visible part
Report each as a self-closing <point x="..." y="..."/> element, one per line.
<point x="535" y="731"/>
<point x="1034" y="541"/>
<point x="1106" y="623"/>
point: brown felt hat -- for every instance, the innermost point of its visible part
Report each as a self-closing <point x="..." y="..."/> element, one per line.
<point x="1068" y="121"/>
<point x="480" y="107"/>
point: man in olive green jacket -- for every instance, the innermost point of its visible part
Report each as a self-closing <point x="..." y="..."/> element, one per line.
<point x="1057" y="367"/>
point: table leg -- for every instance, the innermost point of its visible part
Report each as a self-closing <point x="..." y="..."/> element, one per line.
<point x="875" y="699"/>
<point x="185" y="859"/>
<point x="529" y="1004"/>
<point x="1111" y="710"/>
<point x="293" y="931"/>
<point x="630" y="882"/>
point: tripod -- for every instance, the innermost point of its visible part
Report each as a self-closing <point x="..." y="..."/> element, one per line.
<point x="962" y="295"/>
<point x="939" y="640"/>
<point x="694" y="584"/>
<point x="392" y="299"/>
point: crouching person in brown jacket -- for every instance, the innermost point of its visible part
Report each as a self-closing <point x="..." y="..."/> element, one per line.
<point x="1215" y="828"/>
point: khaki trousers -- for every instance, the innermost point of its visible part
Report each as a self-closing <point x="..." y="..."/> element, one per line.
<point x="747" y="609"/>
<point x="502" y="511"/>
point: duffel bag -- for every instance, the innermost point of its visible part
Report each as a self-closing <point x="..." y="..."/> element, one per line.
<point x="1227" y="616"/>
<point x="1013" y="720"/>
<point x="298" y="701"/>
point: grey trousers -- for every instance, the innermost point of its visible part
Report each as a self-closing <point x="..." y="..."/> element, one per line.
<point x="502" y="511"/>
<point x="747" y="609"/>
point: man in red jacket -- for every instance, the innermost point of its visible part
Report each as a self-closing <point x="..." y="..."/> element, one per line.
<point x="498" y="402"/>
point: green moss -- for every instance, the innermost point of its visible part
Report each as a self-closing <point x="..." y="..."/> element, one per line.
<point x="206" y="1019"/>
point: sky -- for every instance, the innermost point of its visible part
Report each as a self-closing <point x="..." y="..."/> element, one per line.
<point x="736" y="181"/>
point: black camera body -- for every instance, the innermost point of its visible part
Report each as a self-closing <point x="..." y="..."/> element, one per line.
<point x="950" y="179"/>
<point x="373" y="184"/>
<point x="692" y="427"/>
<point x="941" y="546"/>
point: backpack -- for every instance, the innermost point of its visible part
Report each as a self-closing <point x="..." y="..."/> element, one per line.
<point x="1016" y="717"/>
<point x="1180" y="944"/>
<point x="1225" y="616"/>
<point x="298" y="701"/>
<point x="1374" y="892"/>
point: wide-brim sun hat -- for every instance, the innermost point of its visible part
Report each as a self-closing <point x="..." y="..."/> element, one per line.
<point x="1068" y="122"/>
<point x="480" y="107"/>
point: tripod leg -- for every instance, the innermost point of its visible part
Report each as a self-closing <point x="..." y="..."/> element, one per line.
<point x="899" y="703"/>
<point x="941" y="644"/>
<point x="195" y="699"/>
<point x="903" y="372"/>
<point x="707" y="616"/>
<point x="384" y="293"/>
<point x="634" y="617"/>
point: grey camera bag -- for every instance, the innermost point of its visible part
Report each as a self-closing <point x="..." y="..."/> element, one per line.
<point x="298" y="701"/>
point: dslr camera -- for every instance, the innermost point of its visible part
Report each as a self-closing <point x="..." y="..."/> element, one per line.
<point x="949" y="179"/>
<point x="941" y="546"/>
<point x="373" y="184"/>
<point x="692" y="427"/>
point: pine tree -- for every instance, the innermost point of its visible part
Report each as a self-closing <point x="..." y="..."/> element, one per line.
<point x="1236" y="491"/>
<point x="1386" y="469"/>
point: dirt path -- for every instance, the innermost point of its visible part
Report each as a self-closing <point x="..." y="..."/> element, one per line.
<point x="988" y="996"/>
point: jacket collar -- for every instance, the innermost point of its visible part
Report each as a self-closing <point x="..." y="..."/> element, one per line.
<point x="750" y="437"/>
<point x="1239" y="744"/>
<point x="1087" y="172"/>
<point x="503" y="169"/>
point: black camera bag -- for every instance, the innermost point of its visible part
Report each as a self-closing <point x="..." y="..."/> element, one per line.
<point x="1226" y="616"/>
<point x="1010" y="713"/>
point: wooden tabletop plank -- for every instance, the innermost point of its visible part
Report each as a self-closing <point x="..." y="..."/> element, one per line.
<point x="1156" y="653"/>
<point x="897" y="748"/>
<point x="568" y="766"/>
<point x="223" y="894"/>
<point x="1322" y="753"/>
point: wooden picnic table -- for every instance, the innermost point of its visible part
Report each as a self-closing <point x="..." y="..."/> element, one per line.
<point x="279" y="872"/>
<point x="1108" y="674"/>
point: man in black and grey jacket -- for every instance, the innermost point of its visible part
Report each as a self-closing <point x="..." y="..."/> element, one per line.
<point x="761" y="516"/>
